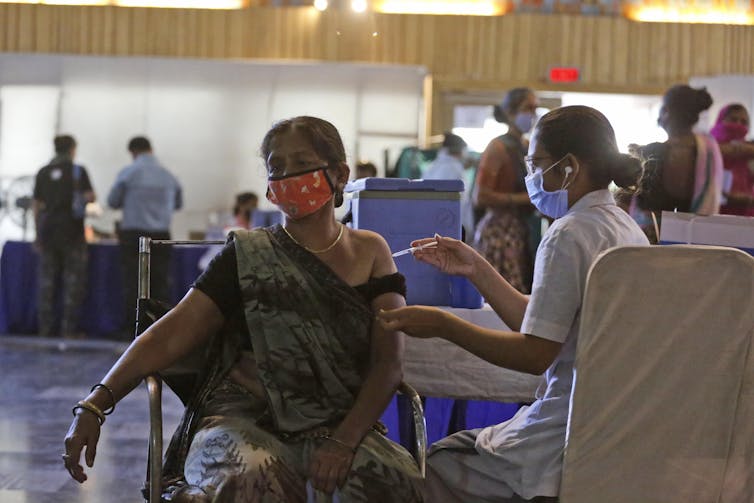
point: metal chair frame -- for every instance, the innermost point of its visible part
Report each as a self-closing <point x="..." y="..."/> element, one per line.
<point x="154" y="385"/>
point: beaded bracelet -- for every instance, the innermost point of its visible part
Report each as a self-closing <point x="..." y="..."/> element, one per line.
<point x="89" y="406"/>
<point x="341" y="443"/>
<point x="112" y="397"/>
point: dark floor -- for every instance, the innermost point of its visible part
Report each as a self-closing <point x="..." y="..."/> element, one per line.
<point x="40" y="380"/>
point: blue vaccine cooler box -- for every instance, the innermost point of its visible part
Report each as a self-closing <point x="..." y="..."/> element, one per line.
<point x="402" y="210"/>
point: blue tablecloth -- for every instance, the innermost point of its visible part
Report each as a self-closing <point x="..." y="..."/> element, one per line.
<point x="102" y="311"/>
<point x="102" y="316"/>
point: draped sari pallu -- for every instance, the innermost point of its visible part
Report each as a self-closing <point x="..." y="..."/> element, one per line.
<point x="310" y="334"/>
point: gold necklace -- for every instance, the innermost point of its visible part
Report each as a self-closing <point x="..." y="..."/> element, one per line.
<point x="323" y="250"/>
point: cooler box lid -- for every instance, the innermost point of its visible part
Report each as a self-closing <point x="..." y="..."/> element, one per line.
<point x="404" y="185"/>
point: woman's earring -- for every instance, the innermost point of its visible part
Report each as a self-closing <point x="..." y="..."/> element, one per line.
<point x="339" y="198"/>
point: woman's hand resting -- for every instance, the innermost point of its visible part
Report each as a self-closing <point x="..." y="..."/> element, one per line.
<point x="329" y="466"/>
<point x="84" y="432"/>
<point x="450" y="255"/>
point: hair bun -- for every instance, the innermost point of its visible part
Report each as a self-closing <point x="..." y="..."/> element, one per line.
<point x="625" y="170"/>
<point x="499" y="114"/>
<point x="703" y="99"/>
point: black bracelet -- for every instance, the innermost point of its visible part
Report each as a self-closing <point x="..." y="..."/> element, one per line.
<point x="112" y="397"/>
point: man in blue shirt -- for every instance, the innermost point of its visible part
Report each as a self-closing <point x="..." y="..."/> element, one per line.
<point x="148" y="194"/>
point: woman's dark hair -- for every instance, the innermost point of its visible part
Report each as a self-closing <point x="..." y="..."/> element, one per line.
<point x="323" y="136"/>
<point x="505" y="111"/>
<point x="684" y="104"/>
<point x="588" y="135"/>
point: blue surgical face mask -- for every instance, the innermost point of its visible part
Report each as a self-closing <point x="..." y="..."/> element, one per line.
<point x="524" y="121"/>
<point x="553" y="204"/>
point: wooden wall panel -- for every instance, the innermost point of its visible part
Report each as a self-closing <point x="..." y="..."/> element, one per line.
<point x="614" y="54"/>
<point x="611" y="51"/>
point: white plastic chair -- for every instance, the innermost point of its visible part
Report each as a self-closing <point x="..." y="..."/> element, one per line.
<point x="663" y="402"/>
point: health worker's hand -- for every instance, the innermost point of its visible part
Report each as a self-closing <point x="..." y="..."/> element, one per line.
<point x="451" y="256"/>
<point x="416" y="321"/>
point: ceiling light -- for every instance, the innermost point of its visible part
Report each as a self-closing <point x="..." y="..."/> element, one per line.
<point x="183" y="4"/>
<point x="359" y="5"/>
<point x="443" y="7"/>
<point x="690" y="14"/>
<point x="60" y="2"/>
<point x="320" y="5"/>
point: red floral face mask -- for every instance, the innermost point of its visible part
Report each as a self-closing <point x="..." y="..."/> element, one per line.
<point x="300" y="194"/>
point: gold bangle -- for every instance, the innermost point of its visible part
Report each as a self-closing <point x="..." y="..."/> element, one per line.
<point x="86" y="405"/>
<point x="112" y="397"/>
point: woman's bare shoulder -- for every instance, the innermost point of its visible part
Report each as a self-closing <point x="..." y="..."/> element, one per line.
<point x="372" y="245"/>
<point x="368" y="239"/>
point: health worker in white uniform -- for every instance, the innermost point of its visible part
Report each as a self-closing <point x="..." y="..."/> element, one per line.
<point x="572" y="159"/>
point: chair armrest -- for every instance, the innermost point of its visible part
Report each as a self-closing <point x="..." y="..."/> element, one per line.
<point x="420" y="425"/>
<point x="154" y="476"/>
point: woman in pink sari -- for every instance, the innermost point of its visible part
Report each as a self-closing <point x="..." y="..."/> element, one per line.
<point x="730" y="131"/>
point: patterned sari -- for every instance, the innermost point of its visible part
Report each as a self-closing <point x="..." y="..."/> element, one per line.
<point x="310" y="334"/>
<point x="507" y="236"/>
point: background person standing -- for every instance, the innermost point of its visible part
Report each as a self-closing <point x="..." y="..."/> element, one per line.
<point x="684" y="173"/>
<point x="504" y="235"/>
<point x="148" y="194"/>
<point x="61" y="191"/>
<point x="451" y="164"/>
<point x="730" y="131"/>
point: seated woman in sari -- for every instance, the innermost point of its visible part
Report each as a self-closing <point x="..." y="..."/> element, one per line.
<point x="684" y="173"/>
<point x="299" y="375"/>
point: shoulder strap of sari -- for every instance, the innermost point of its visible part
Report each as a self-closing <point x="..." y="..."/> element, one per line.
<point x="707" y="180"/>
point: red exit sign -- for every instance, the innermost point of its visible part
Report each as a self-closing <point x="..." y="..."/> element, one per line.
<point x="562" y="74"/>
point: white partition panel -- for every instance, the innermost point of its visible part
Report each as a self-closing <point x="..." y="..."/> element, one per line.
<point x="206" y="119"/>
<point x="725" y="89"/>
<point x="388" y="101"/>
<point x="27" y="124"/>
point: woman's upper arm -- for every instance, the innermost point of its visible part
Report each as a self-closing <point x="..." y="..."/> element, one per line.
<point x="187" y="326"/>
<point x="385" y="344"/>
<point x="489" y="164"/>
<point x="557" y="290"/>
<point x="494" y="173"/>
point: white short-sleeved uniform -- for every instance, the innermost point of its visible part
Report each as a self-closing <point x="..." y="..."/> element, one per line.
<point x="525" y="454"/>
